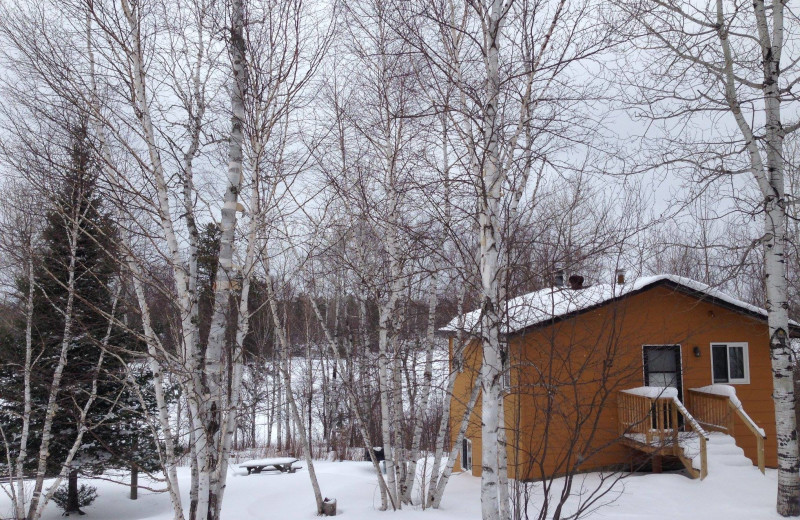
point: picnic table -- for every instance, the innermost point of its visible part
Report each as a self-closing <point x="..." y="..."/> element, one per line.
<point x="282" y="464"/>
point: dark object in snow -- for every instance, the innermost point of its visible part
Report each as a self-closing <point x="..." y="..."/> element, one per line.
<point x="329" y="507"/>
<point x="281" y="464"/>
<point x="86" y="495"/>
<point x="378" y="451"/>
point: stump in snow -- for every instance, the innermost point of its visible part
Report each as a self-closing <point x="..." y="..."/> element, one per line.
<point x="329" y="507"/>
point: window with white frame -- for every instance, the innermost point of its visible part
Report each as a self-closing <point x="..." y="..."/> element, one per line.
<point x="730" y="363"/>
<point x="506" y="379"/>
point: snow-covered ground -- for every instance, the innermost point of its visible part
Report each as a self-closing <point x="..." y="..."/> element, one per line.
<point x="733" y="490"/>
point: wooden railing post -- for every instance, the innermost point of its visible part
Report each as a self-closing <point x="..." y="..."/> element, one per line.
<point x="703" y="458"/>
<point x="673" y="416"/>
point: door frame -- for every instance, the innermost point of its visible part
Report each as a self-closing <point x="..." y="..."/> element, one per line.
<point x="645" y="372"/>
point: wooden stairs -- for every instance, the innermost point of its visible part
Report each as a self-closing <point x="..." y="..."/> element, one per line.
<point x="652" y="420"/>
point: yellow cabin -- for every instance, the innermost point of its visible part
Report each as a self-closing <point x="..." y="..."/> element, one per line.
<point x="604" y="376"/>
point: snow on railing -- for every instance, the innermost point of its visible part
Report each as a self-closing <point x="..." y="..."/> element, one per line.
<point x="730" y="392"/>
<point x="653" y="392"/>
<point x="690" y="418"/>
<point x="727" y="394"/>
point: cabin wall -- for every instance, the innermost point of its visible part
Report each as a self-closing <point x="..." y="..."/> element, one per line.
<point x="565" y="378"/>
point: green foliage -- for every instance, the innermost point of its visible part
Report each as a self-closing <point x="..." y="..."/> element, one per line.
<point x="86" y="495"/>
<point x="118" y="433"/>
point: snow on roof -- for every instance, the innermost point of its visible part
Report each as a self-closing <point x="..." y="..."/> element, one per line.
<point x="539" y="306"/>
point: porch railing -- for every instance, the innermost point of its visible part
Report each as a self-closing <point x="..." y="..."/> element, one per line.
<point x="650" y="417"/>
<point x="716" y="411"/>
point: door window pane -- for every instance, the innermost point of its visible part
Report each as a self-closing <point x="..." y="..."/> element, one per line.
<point x="663" y="379"/>
<point x="662" y="360"/>
<point x="719" y="355"/>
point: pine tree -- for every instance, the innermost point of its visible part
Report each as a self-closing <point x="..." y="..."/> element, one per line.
<point x="115" y="435"/>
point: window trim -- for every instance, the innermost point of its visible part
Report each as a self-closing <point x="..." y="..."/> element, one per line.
<point x="746" y="359"/>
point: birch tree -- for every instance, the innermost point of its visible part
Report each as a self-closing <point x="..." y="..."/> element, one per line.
<point x="147" y="78"/>
<point x="491" y="65"/>
<point x="375" y="116"/>
<point x="738" y="67"/>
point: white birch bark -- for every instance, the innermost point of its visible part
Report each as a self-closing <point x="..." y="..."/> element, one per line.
<point x="770" y="178"/>
<point x="489" y="216"/>
<point x="194" y="397"/>
<point x="769" y="175"/>
<point x="242" y="327"/>
<point x="154" y="354"/>
<point x="750" y="100"/>
<point x="19" y="497"/>
<point x="55" y="387"/>
<point x="426" y="392"/>
<point x="438" y="493"/>
<point x="502" y="461"/>
<point x="441" y="436"/>
<point x="386" y="397"/>
<point x="284" y="368"/>
<point x="397" y="418"/>
<point x="214" y="384"/>
<point x="155" y="351"/>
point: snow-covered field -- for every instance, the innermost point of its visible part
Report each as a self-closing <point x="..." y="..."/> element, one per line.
<point x="732" y="491"/>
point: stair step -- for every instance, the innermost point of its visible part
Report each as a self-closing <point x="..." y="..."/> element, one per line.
<point x="723" y="451"/>
<point x="732" y="462"/>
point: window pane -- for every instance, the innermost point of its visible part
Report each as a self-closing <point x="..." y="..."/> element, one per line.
<point x="719" y="360"/>
<point x="736" y="362"/>
<point x="661" y="360"/>
<point x="663" y="379"/>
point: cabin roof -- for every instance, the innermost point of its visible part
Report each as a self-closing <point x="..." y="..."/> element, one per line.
<point x="538" y="307"/>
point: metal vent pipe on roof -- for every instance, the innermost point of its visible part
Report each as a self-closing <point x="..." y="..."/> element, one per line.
<point x="559" y="278"/>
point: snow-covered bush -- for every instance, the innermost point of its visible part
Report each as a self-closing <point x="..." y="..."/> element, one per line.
<point x="86" y="495"/>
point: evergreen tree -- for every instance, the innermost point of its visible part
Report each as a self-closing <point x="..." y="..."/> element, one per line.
<point x="115" y="435"/>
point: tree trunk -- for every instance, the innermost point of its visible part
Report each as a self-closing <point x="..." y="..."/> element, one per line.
<point x="426" y="392"/>
<point x="492" y="180"/>
<point x="55" y="387"/>
<point x="298" y="419"/>
<point x="385" y="397"/>
<point x="73" y="505"/>
<point x="770" y="179"/>
<point x="19" y="496"/>
<point x="134" y="482"/>
<point x="436" y="496"/>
